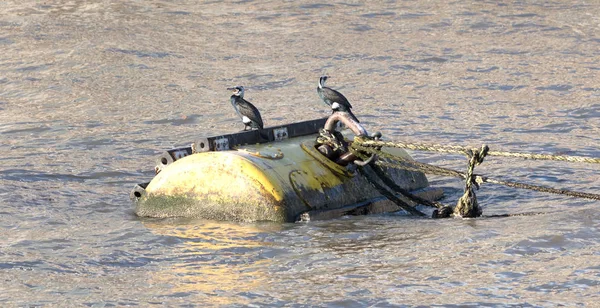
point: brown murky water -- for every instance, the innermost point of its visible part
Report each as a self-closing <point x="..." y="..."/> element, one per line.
<point x="92" y="91"/>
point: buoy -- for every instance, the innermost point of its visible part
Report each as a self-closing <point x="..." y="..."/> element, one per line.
<point x="274" y="174"/>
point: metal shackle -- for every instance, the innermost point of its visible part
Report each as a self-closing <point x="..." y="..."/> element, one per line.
<point x="356" y="128"/>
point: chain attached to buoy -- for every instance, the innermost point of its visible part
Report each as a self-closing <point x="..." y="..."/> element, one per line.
<point x="467" y="205"/>
<point x="332" y="144"/>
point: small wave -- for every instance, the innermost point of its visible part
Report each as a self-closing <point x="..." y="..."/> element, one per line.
<point x="483" y="25"/>
<point x="503" y="87"/>
<point x="524" y="15"/>
<point x="375" y="15"/>
<point x="483" y="70"/>
<point x="144" y="54"/>
<point x="557" y="87"/>
<point x="6" y="41"/>
<point x="275" y="84"/>
<point x="23" y="175"/>
<point x="362" y="28"/>
<point x="316" y="6"/>
<point x="433" y="59"/>
<point x="178" y="13"/>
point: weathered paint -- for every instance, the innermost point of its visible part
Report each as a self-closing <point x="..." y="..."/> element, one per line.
<point x="225" y="185"/>
<point x="275" y="182"/>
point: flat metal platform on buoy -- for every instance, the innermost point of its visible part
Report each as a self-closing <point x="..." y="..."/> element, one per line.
<point x="273" y="174"/>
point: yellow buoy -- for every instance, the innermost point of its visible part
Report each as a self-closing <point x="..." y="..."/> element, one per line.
<point x="260" y="182"/>
<point x="277" y="175"/>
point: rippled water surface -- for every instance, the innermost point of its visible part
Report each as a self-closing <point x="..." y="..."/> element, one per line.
<point x="92" y="91"/>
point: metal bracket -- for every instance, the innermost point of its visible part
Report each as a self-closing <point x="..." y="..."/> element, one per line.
<point x="221" y="144"/>
<point x="269" y="134"/>
<point x="280" y="133"/>
<point x="168" y="157"/>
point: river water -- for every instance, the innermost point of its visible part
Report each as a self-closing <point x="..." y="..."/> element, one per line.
<point x="92" y="91"/>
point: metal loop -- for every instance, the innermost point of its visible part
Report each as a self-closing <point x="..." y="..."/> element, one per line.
<point x="344" y="117"/>
<point x="356" y="128"/>
<point x="370" y="160"/>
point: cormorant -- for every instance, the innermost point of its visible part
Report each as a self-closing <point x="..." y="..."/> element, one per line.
<point x="248" y="113"/>
<point x="334" y="99"/>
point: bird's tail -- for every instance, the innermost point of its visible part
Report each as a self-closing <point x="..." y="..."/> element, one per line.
<point x="353" y="116"/>
<point x="349" y="113"/>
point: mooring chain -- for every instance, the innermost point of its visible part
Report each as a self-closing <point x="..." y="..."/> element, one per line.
<point x="406" y="164"/>
<point x="483" y="179"/>
<point x="577" y="194"/>
<point x="577" y="159"/>
<point x="411" y="165"/>
<point x="385" y="192"/>
<point x="441" y="210"/>
<point x="392" y="185"/>
<point x="389" y="192"/>
<point x="462" y="150"/>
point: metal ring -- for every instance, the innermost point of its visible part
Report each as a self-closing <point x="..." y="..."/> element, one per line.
<point x="365" y="162"/>
<point x="344" y="117"/>
<point x="355" y="127"/>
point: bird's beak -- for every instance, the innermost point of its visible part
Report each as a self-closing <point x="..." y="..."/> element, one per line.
<point x="231" y="89"/>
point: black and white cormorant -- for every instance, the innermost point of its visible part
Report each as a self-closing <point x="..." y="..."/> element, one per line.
<point x="334" y="99"/>
<point x="248" y="113"/>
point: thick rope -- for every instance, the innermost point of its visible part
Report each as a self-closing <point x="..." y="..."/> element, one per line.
<point x="441" y="211"/>
<point x="414" y="198"/>
<point x="411" y="165"/>
<point x="407" y="164"/>
<point x="334" y="139"/>
<point x="462" y="150"/>
<point x="467" y="205"/>
<point x="392" y="185"/>
<point x="565" y="192"/>
<point x="386" y="193"/>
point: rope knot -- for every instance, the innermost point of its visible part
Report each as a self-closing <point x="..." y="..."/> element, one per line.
<point x="365" y="158"/>
<point x="467" y="205"/>
<point x="333" y="139"/>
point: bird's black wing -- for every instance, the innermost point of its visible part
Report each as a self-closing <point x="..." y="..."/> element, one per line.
<point x="247" y="109"/>
<point x="336" y="97"/>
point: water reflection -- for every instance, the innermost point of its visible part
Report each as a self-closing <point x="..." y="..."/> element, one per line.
<point x="226" y="262"/>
